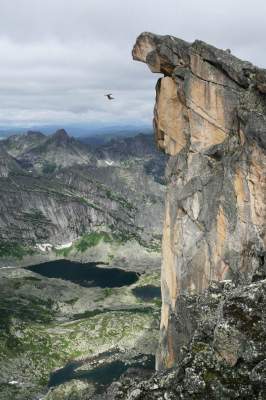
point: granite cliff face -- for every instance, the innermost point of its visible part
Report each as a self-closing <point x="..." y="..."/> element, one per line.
<point x="210" y="117"/>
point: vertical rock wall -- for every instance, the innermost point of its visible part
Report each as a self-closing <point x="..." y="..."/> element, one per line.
<point x="210" y="117"/>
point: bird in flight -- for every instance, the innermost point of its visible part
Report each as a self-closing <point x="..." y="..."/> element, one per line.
<point x="109" y="96"/>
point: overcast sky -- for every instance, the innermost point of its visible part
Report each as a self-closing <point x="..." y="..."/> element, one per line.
<point x="59" y="57"/>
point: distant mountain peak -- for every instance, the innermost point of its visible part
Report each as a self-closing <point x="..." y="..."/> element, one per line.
<point x="60" y="137"/>
<point x="61" y="133"/>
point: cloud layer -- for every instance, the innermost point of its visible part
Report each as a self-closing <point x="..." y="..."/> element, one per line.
<point x="59" y="57"/>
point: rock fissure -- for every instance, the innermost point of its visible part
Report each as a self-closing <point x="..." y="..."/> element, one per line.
<point x="213" y="82"/>
<point x="209" y="118"/>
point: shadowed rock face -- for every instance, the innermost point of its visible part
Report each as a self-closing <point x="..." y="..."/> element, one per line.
<point x="210" y="117"/>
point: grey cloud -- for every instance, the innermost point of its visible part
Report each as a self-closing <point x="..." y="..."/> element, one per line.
<point x="58" y="57"/>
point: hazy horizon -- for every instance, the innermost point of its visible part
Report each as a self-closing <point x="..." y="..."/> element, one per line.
<point x="77" y="130"/>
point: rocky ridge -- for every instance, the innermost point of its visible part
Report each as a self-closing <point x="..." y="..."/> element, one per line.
<point x="46" y="154"/>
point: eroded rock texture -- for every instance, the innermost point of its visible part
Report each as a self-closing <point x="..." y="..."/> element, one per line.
<point x="225" y="358"/>
<point x="210" y="116"/>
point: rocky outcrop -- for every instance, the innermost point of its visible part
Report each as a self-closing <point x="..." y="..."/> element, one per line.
<point x="210" y="117"/>
<point x="225" y="358"/>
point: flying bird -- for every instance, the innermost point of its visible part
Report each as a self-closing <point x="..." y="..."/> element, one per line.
<point x="109" y="96"/>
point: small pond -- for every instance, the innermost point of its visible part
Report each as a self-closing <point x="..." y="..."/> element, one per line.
<point x="147" y="293"/>
<point x="88" y="275"/>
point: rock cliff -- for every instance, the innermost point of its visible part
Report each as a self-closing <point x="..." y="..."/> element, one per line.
<point x="210" y="117"/>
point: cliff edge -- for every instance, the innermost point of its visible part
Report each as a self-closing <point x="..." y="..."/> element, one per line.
<point x="210" y="117"/>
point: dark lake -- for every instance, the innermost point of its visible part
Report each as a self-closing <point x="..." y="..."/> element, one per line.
<point x="148" y="292"/>
<point x="103" y="375"/>
<point x="88" y="275"/>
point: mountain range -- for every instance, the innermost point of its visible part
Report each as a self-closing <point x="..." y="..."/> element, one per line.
<point x="55" y="189"/>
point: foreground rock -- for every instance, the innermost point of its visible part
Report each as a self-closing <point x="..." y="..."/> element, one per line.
<point x="225" y="358"/>
<point x="210" y="116"/>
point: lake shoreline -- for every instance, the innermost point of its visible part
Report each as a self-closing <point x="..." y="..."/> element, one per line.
<point x="128" y="256"/>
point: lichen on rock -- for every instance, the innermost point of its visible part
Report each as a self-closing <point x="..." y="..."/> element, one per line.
<point x="225" y="357"/>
